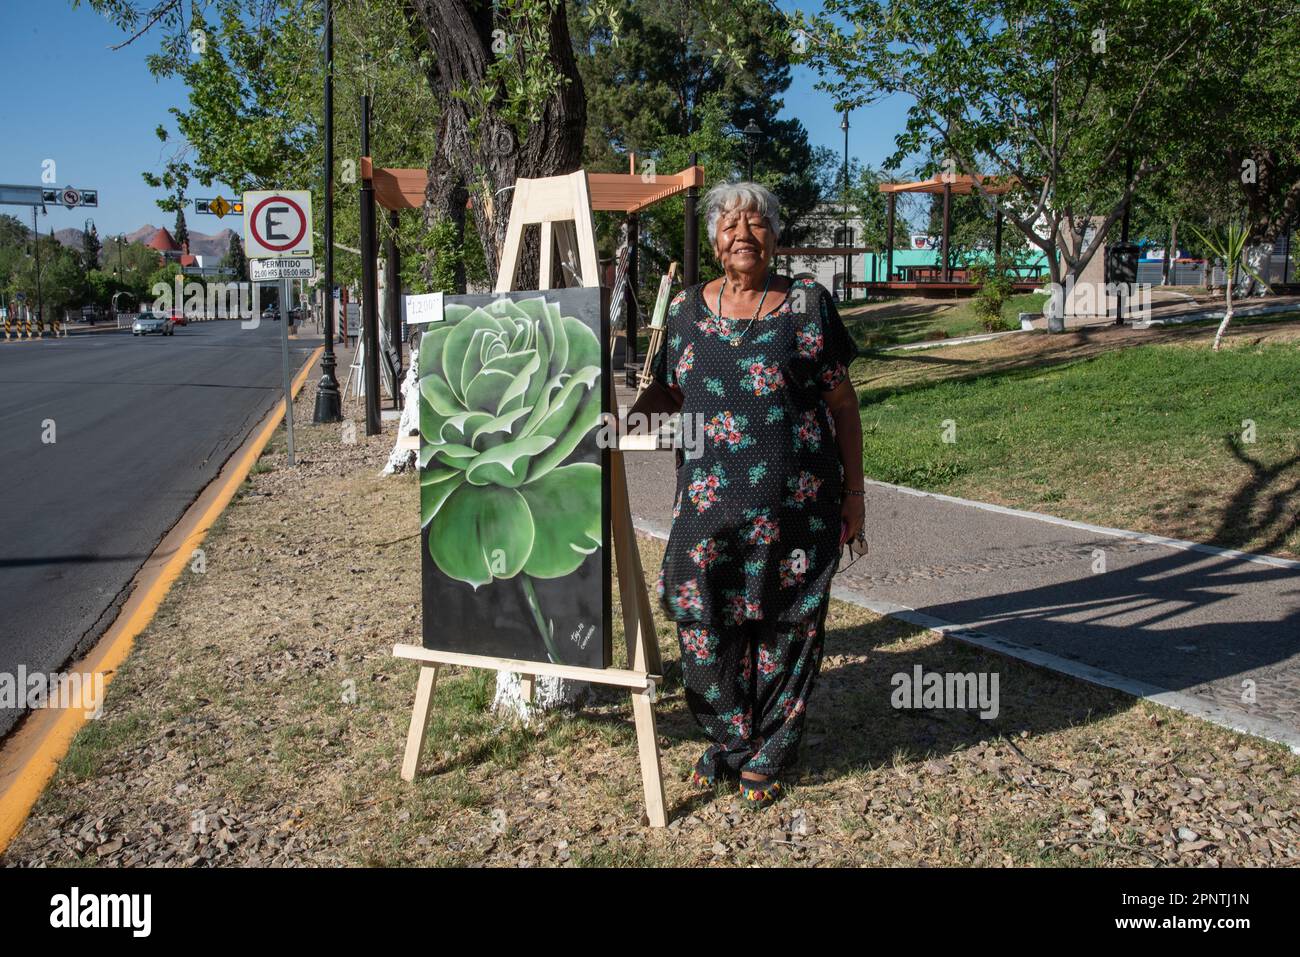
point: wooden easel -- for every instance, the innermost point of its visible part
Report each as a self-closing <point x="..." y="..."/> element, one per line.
<point x="658" y="323"/>
<point x="562" y="207"/>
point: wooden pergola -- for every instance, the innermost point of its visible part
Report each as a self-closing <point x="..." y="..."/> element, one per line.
<point x="397" y="189"/>
<point x="949" y="185"/>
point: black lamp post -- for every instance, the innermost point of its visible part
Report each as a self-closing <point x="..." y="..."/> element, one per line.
<point x="848" y="257"/>
<point x="752" y="134"/>
<point x="329" y="402"/>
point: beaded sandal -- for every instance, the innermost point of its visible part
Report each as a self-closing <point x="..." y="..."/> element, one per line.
<point x="759" y="794"/>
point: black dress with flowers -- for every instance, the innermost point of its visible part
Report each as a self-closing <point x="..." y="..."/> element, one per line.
<point x="756" y="520"/>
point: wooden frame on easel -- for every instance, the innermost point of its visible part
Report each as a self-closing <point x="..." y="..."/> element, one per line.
<point x="561" y="205"/>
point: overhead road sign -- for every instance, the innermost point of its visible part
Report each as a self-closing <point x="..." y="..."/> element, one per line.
<point x="277" y="224"/>
<point x="70" y="196"/>
<point x="21" y="195"/>
<point x="219" y="206"/>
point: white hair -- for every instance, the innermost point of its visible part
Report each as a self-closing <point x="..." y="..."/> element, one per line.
<point x="728" y="197"/>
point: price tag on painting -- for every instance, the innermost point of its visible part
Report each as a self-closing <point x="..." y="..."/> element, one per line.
<point x="424" y="308"/>
<point x="277" y="224"/>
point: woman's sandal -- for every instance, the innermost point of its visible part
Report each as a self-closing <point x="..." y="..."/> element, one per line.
<point x="758" y="794"/>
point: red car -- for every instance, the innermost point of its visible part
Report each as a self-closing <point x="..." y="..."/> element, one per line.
<point x="177" y="317"/>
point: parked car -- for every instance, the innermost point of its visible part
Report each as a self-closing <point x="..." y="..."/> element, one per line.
<point x="271" y="312"/>
<point x="151" y="322"/>
<point x="178" y="318"/>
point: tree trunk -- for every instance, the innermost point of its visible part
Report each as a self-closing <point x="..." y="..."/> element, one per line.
<point x="480" y="163"/>
<point x="1227" y="311"/>
<point x="486" y="162"/>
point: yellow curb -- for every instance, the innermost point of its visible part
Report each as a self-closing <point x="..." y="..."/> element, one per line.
<point x="31" y="754"/>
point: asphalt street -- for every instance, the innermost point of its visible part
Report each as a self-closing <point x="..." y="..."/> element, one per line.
<point x="1217" y="635"/>
<point x="140" y="426"/>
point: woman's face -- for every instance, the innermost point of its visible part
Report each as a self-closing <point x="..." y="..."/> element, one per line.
<point x="744" y="241"/>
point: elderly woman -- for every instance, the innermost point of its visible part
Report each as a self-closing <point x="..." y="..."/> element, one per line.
<point x="759" y="363"/>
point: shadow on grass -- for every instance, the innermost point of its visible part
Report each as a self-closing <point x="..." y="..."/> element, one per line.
<point x="1260" y="512"/>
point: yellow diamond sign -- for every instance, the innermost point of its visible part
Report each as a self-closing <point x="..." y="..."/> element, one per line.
<point x="219" y="207"/>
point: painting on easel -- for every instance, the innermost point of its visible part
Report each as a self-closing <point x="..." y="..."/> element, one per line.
<point x="514" y="486"/>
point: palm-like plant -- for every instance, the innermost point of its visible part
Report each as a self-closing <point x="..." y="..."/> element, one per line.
<point x="1228" y="246"/>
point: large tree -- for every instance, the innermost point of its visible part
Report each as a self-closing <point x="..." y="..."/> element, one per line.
<point x="1055" y="94"/>
<point x="513" y="105"/>
<point x="657" y="73"/>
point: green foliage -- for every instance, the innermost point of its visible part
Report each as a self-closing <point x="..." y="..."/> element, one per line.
<point x="1055" y="93"/>
<point x="235" y="261"/>
<point x="664" y="79"/>
<point x="994" y="292"/>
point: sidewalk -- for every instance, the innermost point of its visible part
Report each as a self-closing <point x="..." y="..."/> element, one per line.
<point x="1215" y="634"/>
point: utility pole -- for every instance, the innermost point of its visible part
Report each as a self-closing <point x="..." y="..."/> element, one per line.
<point x="36" y="251"/>
<point x="329" y="403"/>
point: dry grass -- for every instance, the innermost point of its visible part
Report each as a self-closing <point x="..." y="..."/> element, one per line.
<point x="260" y="720"/>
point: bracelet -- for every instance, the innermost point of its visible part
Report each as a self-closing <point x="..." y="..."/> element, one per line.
<point x="854" y="491"/>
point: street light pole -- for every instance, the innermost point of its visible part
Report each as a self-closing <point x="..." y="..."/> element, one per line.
<point x="848" y="257"/>
<point x="751" y="133"/>
<point x="329" y="403"/>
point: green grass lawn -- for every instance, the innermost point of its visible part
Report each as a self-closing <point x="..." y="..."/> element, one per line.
<point x="882" y="324"/>
<point x="1152" y="437"/>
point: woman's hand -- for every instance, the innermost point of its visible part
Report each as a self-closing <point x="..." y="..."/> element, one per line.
<point x="853" y="512"/>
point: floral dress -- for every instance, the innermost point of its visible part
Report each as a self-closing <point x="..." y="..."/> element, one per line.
<point x="756" y="518"/>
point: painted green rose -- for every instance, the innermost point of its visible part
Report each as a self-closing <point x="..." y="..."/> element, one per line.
<point x="507" y="392"/>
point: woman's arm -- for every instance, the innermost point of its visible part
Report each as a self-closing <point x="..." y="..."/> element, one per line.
<point x="842" y="401"/>
<point x="658" y="398"/>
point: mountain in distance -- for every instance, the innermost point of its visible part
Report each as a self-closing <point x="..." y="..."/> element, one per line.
<point x="201" y="244"/>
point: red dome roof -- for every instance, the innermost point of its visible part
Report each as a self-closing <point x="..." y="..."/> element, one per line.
<point x="163" y="242"/>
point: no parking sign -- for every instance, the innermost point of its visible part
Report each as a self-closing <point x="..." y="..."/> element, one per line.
<point x="277" y="224"/>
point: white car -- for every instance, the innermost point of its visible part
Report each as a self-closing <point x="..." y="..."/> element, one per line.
<point x="147" y="323"/>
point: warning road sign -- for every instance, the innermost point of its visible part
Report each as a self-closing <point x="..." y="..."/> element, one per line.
<point x="219" y="207"/>
<point x="277" y="224"/>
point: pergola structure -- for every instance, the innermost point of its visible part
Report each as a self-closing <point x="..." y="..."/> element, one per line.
<point x="949" y="185"/>
<point x="628" y="193"/>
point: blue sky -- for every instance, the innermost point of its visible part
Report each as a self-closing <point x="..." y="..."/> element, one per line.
<point x="69" y="98"/>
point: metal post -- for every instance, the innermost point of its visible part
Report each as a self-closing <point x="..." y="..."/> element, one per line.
<point x="369" y="284"/>
<point x="284" y="356"/>
<point x="848" y="257"/>
<point x="889" y="240"/>
<point x="633" y="238"/>
<point x="393" y="286"/>
<point x="36" y="251"/>
<point x="691" y="234"/>
<point x="329" y="403"/>
<point x="947" y="214"/>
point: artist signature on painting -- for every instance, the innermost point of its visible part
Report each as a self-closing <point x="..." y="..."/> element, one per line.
<point x="580" y="638"/>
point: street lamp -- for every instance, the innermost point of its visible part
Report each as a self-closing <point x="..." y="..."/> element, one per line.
<point x="752" y="134"/>
<point x="848" y="257"/>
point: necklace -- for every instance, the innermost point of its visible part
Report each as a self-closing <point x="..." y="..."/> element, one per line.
<point x="735" y="339"/>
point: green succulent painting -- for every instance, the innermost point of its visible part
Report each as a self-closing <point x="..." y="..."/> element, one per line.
<point x="508" y="391"/>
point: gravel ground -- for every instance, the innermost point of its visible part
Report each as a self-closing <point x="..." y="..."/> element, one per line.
<point x="261" y="717"/>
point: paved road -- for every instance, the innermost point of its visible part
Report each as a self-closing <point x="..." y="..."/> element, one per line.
<point x="141" y="426"/>
<point x="1213" y="634"/>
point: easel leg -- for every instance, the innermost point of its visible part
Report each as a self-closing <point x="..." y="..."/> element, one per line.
<point x="419" y="721"/>
<point x="528" y="687"/>
<point x="648" y="745"/>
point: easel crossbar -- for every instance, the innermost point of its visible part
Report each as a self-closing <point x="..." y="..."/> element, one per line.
<point x="636" y="680"/>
